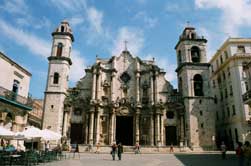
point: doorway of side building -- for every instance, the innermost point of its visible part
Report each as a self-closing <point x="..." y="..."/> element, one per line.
<point x="124" y="130"/>
<point x="171" y="135"/>
<point x="77" y="133"/>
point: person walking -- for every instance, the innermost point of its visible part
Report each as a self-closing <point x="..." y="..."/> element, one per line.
<point x="137" y="148"/>
<point x="223" y="150"/>
<point x="171" y="148"/>
<point x="76" y="150"/>
<point x="240" y="154"/>
<point x="113" y="151"/>
<point x="247" y="153"/>
<point x="120" y="150"/>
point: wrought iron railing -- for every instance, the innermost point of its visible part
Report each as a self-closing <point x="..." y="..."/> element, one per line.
<point x="246" y="96"/>
<point x="10" y="95"/>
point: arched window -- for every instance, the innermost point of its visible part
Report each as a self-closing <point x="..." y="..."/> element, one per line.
<point x="198" y="85"/>
<point x="179" y="57"/>
<point x="195" y="54"/>
<point x="62" y="28"/>
<point x="55" y="78"/>
<point x="59" y="49"/>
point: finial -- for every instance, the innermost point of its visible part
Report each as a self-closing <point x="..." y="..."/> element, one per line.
<point x="125" y="44"/>
<point x="96" y="56"/>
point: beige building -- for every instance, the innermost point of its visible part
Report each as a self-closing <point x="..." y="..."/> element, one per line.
<point x="35" y="116"/>
<point x="14" y="100"/>
<point x="228" y="83"/>
<point x="127" y="99"/>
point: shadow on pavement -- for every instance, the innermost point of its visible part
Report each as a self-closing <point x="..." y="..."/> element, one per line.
<point x="207" y="159"/>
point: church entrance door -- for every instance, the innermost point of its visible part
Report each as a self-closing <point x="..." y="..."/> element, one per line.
<point x="77" y="133"/>
<point x="171" y="135"/>
<point x="124" y="130"/>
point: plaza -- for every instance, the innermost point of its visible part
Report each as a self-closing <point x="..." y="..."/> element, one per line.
<point x="179" y="159"/>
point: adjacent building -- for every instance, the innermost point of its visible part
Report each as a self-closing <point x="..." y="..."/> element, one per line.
<point x="228" y="83"/>
<point x="15" y="102"/>
<point x="35" y="116"/>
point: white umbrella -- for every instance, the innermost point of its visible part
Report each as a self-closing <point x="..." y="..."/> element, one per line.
<point x="50" y="135"/>
<point x="5" y="133"/>
<point x="30" y="133"/>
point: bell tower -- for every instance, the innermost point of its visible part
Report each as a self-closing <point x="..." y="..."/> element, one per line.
<point x="193" y="84"/>
<point x="57" y="79"/>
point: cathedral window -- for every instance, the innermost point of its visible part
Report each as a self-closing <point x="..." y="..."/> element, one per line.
<point x="179" y="57"/>
<point x="55" y="78"/>
<point x="169" y="114"/>
<point x="241" y="49"/>
<point x="198" y="85"/>
<point x="62" y="28"/>
<point x="233" y="107"/>
<point x="228" y="112"/>
<point x="195" y="54"/>
<point x="59" y="49"/>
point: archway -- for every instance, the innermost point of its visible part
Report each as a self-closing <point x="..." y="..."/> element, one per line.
<point x="124" y="130"/>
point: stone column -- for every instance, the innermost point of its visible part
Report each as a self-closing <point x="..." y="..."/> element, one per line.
<point x="137" y="127"/>
<point x="111" y="128"/>
<point x="65" y="122"/>
<point x="86" y="128"/>
<point x="152" y="91"/>
<point x="94" y="85"/>
<point x="97" y="128"/>
<point x="91" y="127"/>
<point x="137" y="87"/>
<point x="182" y="129"/>
<point x="156" y="89"/>
<point x="157" y="130"/>
<point x="162" y="129"/>
<point x="112" y="88"/>
<point x="151" y="130"/>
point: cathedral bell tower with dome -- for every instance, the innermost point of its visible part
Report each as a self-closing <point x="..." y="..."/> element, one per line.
<point x="57" y="79"/>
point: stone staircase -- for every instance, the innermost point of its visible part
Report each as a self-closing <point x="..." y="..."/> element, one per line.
<point x="130" y="149"/>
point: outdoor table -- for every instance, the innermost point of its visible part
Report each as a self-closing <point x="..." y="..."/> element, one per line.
<point x="14" y="157"/>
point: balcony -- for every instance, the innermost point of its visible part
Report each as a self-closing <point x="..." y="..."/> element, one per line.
<point x="15" y="99"/>
<point x="247" y="97"/>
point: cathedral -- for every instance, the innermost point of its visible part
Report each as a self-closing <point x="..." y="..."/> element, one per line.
<point x="127" y="99"/>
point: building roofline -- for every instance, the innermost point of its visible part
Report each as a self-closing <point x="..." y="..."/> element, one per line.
<point x="14" y="64"/>
<point x="228" y="41"/>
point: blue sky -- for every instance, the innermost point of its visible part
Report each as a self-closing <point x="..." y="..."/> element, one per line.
<point x="151" y="27"/>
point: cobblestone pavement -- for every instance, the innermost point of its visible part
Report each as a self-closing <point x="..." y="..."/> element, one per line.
<point x="89" y="159"/>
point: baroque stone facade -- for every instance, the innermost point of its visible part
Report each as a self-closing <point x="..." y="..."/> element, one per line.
<point x="126" y="99"/>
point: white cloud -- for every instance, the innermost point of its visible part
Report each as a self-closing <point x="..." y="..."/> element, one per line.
<point x="149" y="21"/>
<point x="235" y="14"/>
<point x="15" y="7"/>
<point x="41" y="47"/>
<point x="134" y="37"/>
<point x="69" y="5"/>
<point x="33" y="43"/>
<point x="75" y="21"/>
<point x="78" y="66"/>
<point x="95" y="18"/>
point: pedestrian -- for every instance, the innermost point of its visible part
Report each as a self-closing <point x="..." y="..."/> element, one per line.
<point x="247" y="153"/>
<point x="137" y="148"/>
<point x="47" y="146"/>
<point x="240" y="154"/>
<point x="120" y="151"/>
<point x="97" y="148"/>
<point x="171" y="148"/>
<point x="76" y="150"/>
<point x="113" y="151"/>
<point x="223" y="150"/>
